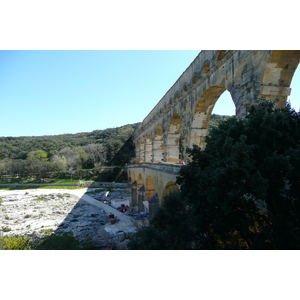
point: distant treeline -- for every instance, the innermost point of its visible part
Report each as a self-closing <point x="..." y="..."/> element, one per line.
<point x="20" y="147"/>
<point x="80" y="155"/>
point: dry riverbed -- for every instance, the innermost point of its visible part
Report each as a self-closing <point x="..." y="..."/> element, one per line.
<point x="39" y="212"/>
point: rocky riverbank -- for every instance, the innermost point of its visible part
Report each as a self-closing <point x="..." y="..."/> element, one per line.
<point x="39" y="212"/>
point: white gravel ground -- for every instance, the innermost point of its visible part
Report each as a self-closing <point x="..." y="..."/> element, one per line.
<point x="39" y="211"/>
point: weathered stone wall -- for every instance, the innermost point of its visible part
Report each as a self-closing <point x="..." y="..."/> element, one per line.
<point x="152" y="179"/>
<point x="180" y="119"/>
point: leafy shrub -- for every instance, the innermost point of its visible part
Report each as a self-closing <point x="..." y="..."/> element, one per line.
<point x="59" y="241"/>
<point x="15" y="242"/>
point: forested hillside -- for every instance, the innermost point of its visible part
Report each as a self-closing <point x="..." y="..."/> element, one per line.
<point x="80" y="155"/>
<point x="20" y="147"/>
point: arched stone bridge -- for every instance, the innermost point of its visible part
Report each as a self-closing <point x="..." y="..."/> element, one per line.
<point x="180" y="119"/>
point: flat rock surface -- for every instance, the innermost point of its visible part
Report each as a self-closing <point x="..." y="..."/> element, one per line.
<point x="36" y="212"/>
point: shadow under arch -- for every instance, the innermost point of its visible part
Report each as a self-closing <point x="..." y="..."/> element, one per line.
<point x="171" y="187"/>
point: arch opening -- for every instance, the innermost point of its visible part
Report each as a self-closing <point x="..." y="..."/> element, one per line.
<point x="206" y="104"/>
<point x="171" y="187"/>
<point x="224" y="105"/>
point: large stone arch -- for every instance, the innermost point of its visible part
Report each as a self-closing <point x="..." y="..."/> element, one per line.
<point x="158" y="145"/>
<point x="173" y="139"/>
<point x="171" y="187"/>
<point x="202" y="113"/>
<point x="278" y="74"/>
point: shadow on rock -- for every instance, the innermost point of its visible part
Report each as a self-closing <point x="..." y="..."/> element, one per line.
<point x="87" y="226"/>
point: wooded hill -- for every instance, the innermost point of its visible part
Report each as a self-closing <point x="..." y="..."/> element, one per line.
<point x="80" y="155"/>
<point x="20" y="147"/>
<point x="112" y="139"/>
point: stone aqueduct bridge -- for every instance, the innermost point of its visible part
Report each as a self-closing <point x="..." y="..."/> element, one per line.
<point x="180" y="118"/>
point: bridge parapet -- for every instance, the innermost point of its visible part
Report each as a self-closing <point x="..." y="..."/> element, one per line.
<point x="167" y="168"/>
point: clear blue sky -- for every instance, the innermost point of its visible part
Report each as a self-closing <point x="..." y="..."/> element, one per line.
<point x="56" y="92"/>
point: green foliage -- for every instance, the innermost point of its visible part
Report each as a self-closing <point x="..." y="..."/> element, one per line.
<point x="38" y="154"/>
<point x="16" y="242"/>
<point x="49" y="241"/>
<point x="20" y="147"/>
<point x="65" y="156"/>
<point x="171" y="228"/>
<point x="241" y="192"/>
<point x="215" y="121"/>
<point x="58" y="241"/>
<point x="6" y="229"/>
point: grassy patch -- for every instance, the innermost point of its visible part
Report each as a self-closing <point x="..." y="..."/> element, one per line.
<point x="39" y="181"/>
<point x="40" y="199"/>
<point x="49" y="241"/>
<point x="23" y="187"/>
<point x="15" y="242"/>
<point x="67" y="187"/>
<point x="6" y="229"/>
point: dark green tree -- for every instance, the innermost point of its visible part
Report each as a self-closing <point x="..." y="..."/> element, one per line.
<point x="242" y="191"/>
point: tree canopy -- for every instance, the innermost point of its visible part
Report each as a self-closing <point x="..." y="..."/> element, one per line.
<point x="66" y="155"/>
<point x="20" y="147"/>
<point x="241" y="192"/>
